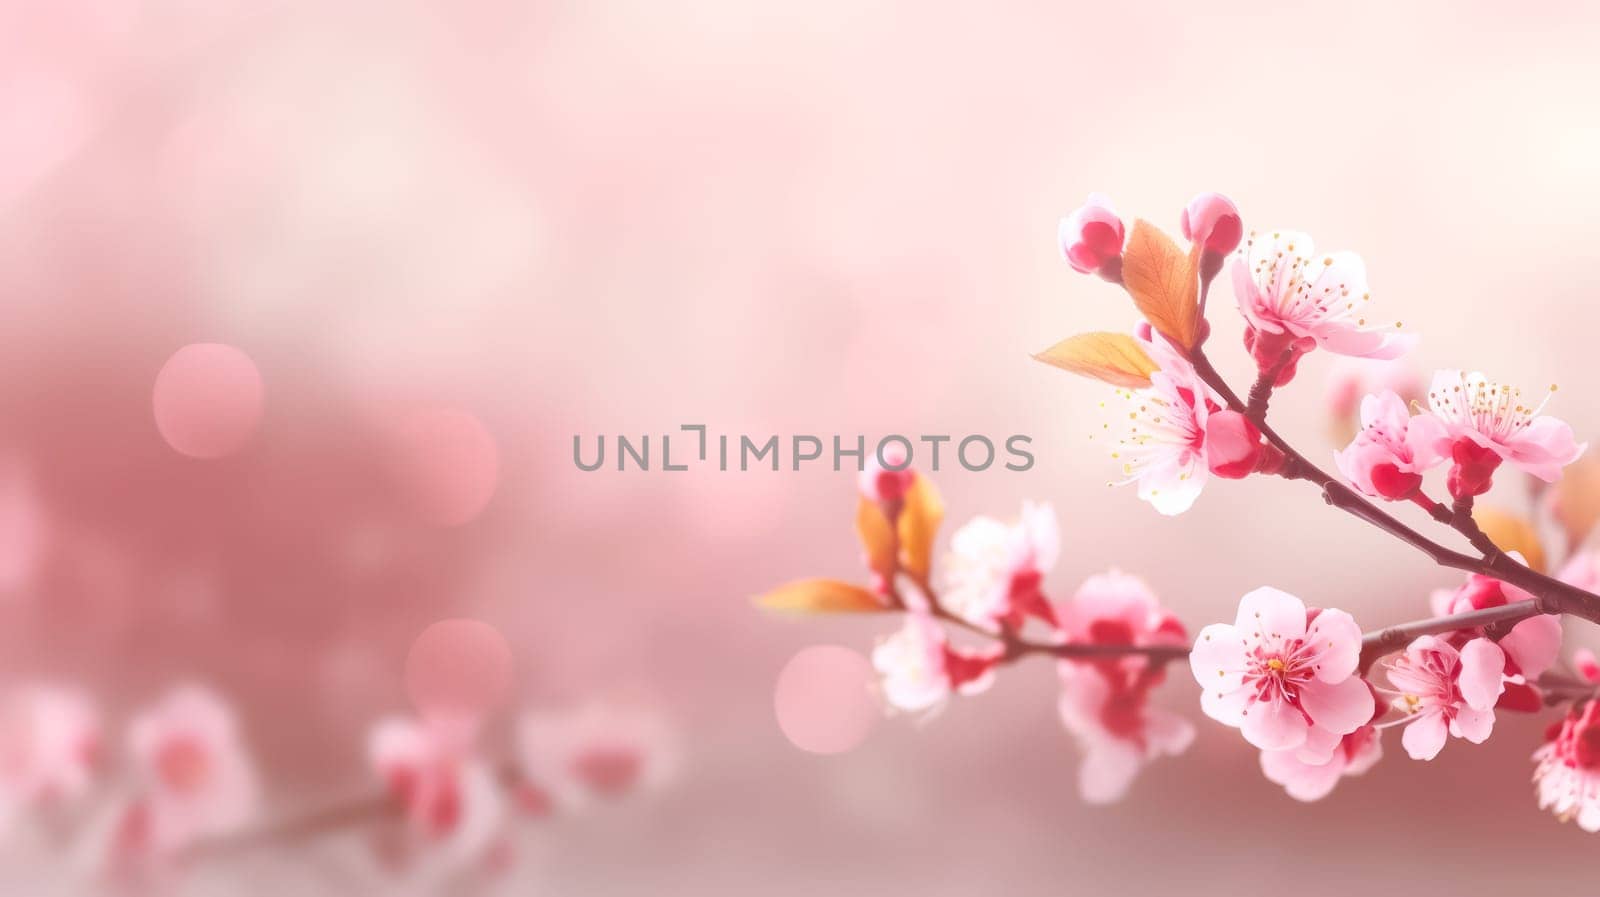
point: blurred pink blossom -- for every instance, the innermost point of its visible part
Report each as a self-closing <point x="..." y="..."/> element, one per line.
<point x="1105" y="703"/>
<point x="920" y="670"/>
<point x="1567" y="771"/>
<point x="994" y="571"/>
<point x="450" y="798"/>
<point x="191" y="779"/>
<point x="50" y="741"/>
<point x="603" y="750"/>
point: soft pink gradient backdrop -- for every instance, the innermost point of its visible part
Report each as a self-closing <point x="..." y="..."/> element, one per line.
<point x="587" y="216"/>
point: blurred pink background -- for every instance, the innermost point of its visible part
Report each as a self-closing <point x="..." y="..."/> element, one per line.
<point x="451" y="235"/>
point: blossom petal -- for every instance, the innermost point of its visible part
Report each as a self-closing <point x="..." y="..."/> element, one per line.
<point x="1472" y="724"/>
<point x="1108" y="769"/>
<point x="1268" y="613"/>
<point x="1319" y="747"/>
<point x="1336" y="639"/>
<point x="1380" y="344"/>
<point x="1481" y="678"/>
<point x="1363" y="749"/>
<point x="1274" y="726"/>
<point x="1340" y="707"/>
<point x="1218" y="658"/>
<point x="1226" y="707"/>
<point x="1424" y="436"/>
<point x="1168" y="733"/>
<point x="1544" y="447"/>
<point x="1534" y="644"/>
<point x="1303" y="781"/>
<point x="1172" y="486"/>
<point x="1424" y="737"/>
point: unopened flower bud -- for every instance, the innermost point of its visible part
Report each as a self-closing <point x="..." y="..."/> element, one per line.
<point x="1212" y="221"/>
<point x="1473" y="471"/>
<point x="1091" y="238"/>
<point x="1233" y="445"/>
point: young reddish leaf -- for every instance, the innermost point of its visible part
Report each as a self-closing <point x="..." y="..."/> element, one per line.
<point x="1116" y="358"/>
<point x="877" y="538"/>
<point x="920" y="516"/>
<point x="822" y="596"/>
<point x="1511" y="532"/>
<point x="1164" y="282"/>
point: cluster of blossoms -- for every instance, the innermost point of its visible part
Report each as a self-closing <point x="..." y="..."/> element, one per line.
<point x="185" y="781"/>
<point x="991" y="583"/>
<point x="1302" y="684"/>
<point x="458" y="806"/>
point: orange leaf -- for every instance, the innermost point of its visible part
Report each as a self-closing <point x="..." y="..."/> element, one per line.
<point x="822" y="596"/>
<point x="877" y="538"/>
<point x="1164" y="283"/>
<point x="921" y="512"/>
<point x="1511" y="532"/>
<point x="1116" y="358"/>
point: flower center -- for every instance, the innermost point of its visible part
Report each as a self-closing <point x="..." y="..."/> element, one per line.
<point x="1276" y="665"/>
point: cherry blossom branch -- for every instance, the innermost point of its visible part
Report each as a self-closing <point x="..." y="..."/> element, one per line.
<point x="302" y="825"/>
<point x="1551" y="596"/>
<point x="1374" y="644"/>
<point x="1393" y="638"/>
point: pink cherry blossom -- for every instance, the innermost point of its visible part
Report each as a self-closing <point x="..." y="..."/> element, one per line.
<point x="602" y="750"/>
<point x="1117" y="730"/>
<point x="1531" y="647"/>
<point x="1116" y="608"/>
<point x="1091" y="237"/>
<point x="1486" y="423"/>
<point x="1164" y="446"/>
<point x="449" y="797"/>
<point x="191" y="780"/>
<point x="994" y="570"/>
<point x="1212" y="220"/>
<point x="1353" y="755"/>
<point x="1105" y="702"/>
<point x="1279" y="672"/>
<point x="1393" y="449"/>
<point x="49" y="746"/>
<point x="1295" y="300"/>
<point x="919" y="669"/>
<point x="1567" y="768"/>
<point x="1443" y="692"/>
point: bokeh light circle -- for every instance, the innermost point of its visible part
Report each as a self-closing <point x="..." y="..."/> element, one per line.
<point x="824" y="699"/>
<point x="457" y="669"/>
<point x="208" y="400"/>
<point x="448" y="463"/>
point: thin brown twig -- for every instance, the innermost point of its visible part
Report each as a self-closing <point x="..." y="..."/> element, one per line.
<point x="1551" y="595"/>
